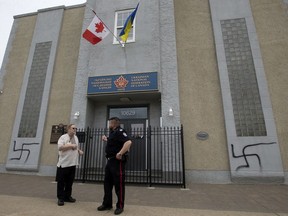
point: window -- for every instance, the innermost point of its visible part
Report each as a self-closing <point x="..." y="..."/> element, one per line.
<point x="33" y="98"/>
<point x="246" y="101"/>
<point x="120" y="18"/>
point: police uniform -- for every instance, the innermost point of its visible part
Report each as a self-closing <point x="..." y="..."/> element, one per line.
<point x="115" y="169"/>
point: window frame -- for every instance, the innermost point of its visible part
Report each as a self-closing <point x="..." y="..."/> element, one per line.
<point x="116" y="27"/>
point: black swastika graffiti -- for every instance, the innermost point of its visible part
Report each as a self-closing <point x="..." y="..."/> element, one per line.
<point x="246" y="155"/>
<point x="22" y="149"/>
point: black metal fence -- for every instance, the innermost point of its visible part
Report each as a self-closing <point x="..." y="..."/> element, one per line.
<point x="156" y="156"/>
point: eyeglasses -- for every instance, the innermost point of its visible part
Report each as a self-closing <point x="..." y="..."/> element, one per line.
<point x="74" y="128"/>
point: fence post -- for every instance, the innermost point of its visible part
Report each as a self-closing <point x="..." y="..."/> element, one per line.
<point x="183" y="159"/>
<point x="149" y="156"/>
<point x="86" y="146"/>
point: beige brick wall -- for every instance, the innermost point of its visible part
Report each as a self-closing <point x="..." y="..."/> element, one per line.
<point x="271" y="20"/>
<point x="200" y="94"/>
<point x="15" y="69"/>
<point x="62" y="88"/>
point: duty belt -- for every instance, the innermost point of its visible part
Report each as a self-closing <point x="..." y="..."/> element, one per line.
<point x="109" y="158"/>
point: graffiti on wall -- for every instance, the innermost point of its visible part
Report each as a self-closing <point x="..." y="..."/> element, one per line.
<point x="22" y="150"/>
<point x="246" y="154"/>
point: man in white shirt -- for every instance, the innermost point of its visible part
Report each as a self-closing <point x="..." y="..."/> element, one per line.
<point x="68" y="147"/>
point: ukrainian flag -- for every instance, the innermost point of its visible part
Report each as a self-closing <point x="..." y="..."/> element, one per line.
<point x="128" y="25"/>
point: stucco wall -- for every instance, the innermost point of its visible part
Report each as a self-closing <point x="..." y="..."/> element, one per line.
<point x="13" y="69"/>
<point x="200" y="96"/>
<point x="153" y="51"/>
<point x="271" y="20"/>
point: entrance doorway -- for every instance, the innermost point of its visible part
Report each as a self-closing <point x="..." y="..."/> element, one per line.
<point x="135" y="121"/>
<point x="136" y="131"/>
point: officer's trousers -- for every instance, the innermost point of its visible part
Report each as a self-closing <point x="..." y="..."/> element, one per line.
<point x="114" y="175"/>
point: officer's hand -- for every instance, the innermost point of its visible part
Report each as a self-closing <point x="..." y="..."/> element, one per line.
<point x="119" y="156"/>
<point x="104" y="138"/>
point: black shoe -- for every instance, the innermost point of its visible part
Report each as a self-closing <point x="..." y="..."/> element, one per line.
<point x="103" y="208"/>
<point x="70" y="199"/>
<point x="118" y="211"/>
<point x="60" y="202"/>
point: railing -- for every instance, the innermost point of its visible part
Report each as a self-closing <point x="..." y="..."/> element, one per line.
<point x="156" y="156"/>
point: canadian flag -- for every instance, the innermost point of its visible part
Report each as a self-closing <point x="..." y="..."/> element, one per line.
<point x="96" y="31"/>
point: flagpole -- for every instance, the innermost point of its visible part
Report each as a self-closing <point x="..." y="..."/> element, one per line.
<point x="123" y="45"/>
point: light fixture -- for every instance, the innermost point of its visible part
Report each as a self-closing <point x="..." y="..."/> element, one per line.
<point x="76" y="115"/>
<point x="170" y="112"/>
<point x="125" y="99"/>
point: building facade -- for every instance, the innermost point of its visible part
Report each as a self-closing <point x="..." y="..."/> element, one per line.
<point x="217" y="67"/>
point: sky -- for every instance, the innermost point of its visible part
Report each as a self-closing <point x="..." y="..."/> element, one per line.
<point x="10" y="8"/>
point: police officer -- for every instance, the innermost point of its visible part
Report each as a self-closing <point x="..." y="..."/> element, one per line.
<point x="118" y="144"/>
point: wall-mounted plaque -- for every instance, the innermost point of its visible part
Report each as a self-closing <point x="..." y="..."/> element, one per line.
<point x="56" y="132"/>
<point x="202" y="135"/>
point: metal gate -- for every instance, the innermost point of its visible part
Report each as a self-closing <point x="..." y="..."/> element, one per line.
<point x="159" y="161"/>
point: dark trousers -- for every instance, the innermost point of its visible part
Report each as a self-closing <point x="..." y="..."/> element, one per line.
<point x="65" y="178"/>
<point x="114" y="175"/>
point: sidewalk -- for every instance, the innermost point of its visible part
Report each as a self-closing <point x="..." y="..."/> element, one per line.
<point x="22" y="195"/>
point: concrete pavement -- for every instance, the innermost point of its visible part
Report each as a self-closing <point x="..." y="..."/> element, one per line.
<point x="22" y="195"/>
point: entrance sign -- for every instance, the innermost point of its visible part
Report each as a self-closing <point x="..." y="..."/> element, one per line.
<point x="129" y="113"/>
<point x="123" y="83"/>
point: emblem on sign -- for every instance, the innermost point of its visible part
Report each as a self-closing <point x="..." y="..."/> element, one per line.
<point x="121" y="82"/>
